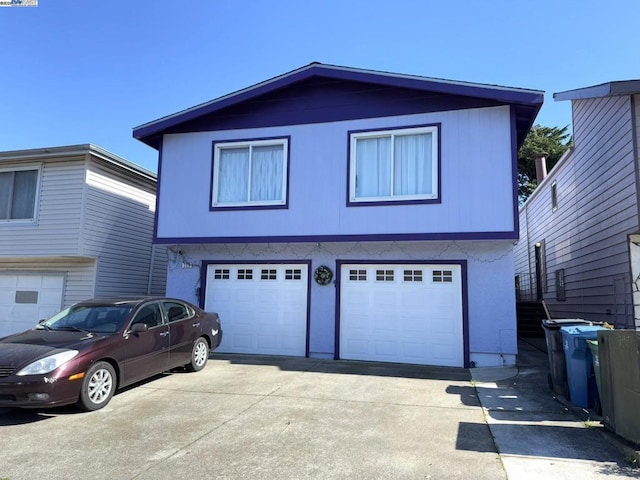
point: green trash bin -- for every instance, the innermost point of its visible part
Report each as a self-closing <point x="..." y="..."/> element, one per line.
<point x="619" y="356"/>
<point x="595" y="355"/>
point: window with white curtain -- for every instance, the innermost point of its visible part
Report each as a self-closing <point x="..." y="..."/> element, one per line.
<point x="250" y="173"/>
<point x="394" y="165"/>
<point x="18" y="192"/>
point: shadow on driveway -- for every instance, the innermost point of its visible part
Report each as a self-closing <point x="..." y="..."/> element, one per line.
<point x="349" y="367"/>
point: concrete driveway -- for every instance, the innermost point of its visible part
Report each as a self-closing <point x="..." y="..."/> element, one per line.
<point x="264" y="417"/>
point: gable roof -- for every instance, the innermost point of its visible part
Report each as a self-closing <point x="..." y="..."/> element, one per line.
<point x="527" y="103"/>
<point x="609" y="89"/>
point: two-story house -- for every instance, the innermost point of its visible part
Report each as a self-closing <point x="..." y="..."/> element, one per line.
<point x="334" y="212"/>
<point x="579" y="247"/>
<point x="75" y="222"/>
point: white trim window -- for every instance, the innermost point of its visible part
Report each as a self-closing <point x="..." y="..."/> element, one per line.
<point x="394" y="165"/>
<point x="250" y="173"/>
<point x="18" y="194"/>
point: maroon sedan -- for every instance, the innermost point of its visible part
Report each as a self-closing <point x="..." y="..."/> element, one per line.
<point x="85" y="353"/>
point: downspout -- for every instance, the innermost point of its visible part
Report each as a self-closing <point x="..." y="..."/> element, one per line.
<point x="151" y="265"/>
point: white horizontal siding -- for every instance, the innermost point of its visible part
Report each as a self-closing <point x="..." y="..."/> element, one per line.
<point x="597" y="208"/>
<point x="118" y="229"/>
<point x="57" y="226"/>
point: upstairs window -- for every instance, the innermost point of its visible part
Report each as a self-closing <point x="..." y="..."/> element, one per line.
<point x="393" y="165"/>
<point x="18" y="190"/>
<point x="250" y="174"/>
<point x="554" y="196"/>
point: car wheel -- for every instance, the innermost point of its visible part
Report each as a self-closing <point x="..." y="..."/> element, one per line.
<point x="199" y="355"/>
<point x="98" y="387"/>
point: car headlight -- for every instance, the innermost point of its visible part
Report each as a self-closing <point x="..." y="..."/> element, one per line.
<point x="47" y="364"/>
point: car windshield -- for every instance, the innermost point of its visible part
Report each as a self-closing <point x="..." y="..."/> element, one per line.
<point x="89" y="318"/>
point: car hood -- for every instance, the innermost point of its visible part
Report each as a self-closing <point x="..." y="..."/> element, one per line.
<point x="25" y="347"/>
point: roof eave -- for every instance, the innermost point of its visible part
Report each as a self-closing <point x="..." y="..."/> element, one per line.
<point x="625" y="87"/>
<point x="151" y="132"/>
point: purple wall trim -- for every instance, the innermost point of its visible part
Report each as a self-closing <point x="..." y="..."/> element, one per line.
<point x="251" y="207"/>
<point x="203" y="282"/>
<point x="514" y="167"/>
<point x="321" y="93"/>
<point x="506" y="235"/>
<point x="465" y="296"/>
<point x="438" y="199"/>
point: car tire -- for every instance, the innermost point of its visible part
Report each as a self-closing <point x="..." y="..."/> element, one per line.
<point x="199" y="355"/>
<point x="98" y="387"/>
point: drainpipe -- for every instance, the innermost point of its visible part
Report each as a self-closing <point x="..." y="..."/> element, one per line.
<point x="152" y="262"/>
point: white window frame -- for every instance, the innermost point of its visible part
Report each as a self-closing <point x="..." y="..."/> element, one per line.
<point x="355" y="136"/>
<point x="219" y="146"/>
<point x="36" y="201"/>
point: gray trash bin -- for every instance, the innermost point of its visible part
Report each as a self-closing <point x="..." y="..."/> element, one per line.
<point x="555" y="351"/>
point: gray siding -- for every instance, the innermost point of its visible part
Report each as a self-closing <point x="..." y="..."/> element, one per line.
<point x="597" y="208"/>
<point x="57" y="227"/>
<point x="118" y="230"/>
<point x="158" y="284"/>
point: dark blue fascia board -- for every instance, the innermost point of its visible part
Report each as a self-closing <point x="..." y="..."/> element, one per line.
<point x="530" y="99"/>
<point x="393" y="237"/>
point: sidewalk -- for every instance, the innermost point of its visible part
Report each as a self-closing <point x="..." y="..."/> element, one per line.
<point x="540" y="436"/>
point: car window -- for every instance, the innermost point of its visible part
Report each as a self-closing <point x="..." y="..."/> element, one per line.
<point x="94" y="318"/>
<point x="107" y="319"/>
<point x="149" y="314"/>
<point x="177" y="311"/>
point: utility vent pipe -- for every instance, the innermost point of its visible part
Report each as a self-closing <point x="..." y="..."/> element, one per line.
<point x="541" y="167"/>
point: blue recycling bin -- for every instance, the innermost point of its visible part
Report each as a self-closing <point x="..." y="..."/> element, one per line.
<point x="580" y="376"/>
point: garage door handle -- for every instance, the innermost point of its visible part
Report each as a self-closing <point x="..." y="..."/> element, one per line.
<point x="196" y="324"/>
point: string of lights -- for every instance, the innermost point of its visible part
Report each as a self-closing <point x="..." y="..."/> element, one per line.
<point x="192" y="256"/>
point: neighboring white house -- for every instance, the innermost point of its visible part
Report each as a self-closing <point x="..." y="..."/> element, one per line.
<point x="579" y="247"/>
<point x="75" y="222"/>
<point x="335" y="212"/>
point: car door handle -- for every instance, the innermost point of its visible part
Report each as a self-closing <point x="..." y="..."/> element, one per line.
<point x="197" y="324"/>
<point x="164" y="334"/>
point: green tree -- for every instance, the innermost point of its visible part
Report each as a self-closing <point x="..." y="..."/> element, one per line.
<point x="554" y="141"/>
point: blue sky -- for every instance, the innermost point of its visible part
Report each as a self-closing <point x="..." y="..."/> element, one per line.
<point x="88" y="71"/>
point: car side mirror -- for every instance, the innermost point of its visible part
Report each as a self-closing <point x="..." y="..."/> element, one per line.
<point x="138" y="328"/>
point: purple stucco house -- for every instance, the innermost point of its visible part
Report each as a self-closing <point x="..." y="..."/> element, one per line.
<point x="335" y="212"/>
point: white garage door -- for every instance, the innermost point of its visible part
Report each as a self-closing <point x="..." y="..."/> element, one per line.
<point x="27" y="299"/>
<point x="402" y="313"/>
<point x="262" y="307"/>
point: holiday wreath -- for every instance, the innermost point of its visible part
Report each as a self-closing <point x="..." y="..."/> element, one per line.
<point x="323" y="275"/>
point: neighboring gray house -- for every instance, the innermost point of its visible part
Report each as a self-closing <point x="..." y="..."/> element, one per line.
<point x="75" y="222"/>
<point x="580" y="230"/>
<point x="403" y="187"/>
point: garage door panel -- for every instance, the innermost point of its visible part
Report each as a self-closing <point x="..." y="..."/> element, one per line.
<point x="240" y="341"/>
<point x="359" y="323"/>
<point x="415" y="351"/>
<point x="26" y="299"/>
<point x="388" y="349"/>
<point x="413" y="325"/>
<point x="266" y="305"/>
<point x="402" y="313"/>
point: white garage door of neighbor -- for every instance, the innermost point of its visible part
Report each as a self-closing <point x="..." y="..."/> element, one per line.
<point x="402" y="313"/>
<point x="27" y="299"/>
<point x="262" y="307"/>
